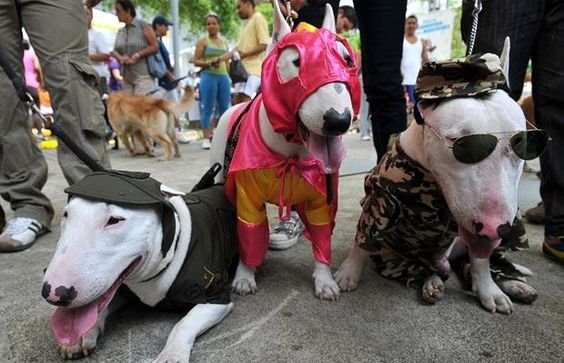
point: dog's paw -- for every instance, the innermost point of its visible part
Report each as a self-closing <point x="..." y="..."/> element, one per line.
<point x="84" y="348"/>
<point x="244" y="280"/>
<point x="348" y="275"/>
<point x="325" y="287"/>
<point x="518" y="290"/>
<point x="493" y="299"/>
<point x="433" y="289"/>
<point x="173" y="356"/>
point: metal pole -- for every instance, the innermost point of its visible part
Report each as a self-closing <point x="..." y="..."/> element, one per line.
<point x="176" y="36"/>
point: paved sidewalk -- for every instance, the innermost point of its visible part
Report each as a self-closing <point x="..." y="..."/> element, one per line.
<point x="382" y="321"/>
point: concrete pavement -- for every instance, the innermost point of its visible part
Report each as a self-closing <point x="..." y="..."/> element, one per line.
<point x="382" y="321"/>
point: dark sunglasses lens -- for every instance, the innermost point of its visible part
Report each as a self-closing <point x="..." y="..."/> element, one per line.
<point x="529" y="144"/>
<point x="473" y="148"/>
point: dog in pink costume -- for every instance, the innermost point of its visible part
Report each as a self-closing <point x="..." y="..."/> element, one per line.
<point x="284" y="147"/>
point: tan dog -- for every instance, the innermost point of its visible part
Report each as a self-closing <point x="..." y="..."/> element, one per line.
<point x="147" y="118"/>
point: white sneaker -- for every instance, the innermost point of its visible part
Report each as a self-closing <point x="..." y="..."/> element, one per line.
<point x="365" y="138"/>
<point x="206" y="144"/>
<point x="286" y="234"/>
<point x="20" y="233"/>
<point x="181" y="138"/>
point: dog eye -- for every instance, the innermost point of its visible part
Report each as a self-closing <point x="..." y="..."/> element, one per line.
<point x="296" y="62"/>
<point x="114" y="220"/>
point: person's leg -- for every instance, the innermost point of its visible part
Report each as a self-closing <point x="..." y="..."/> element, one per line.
<point x="69" y="78"/>
<point x="517" y="19"/>
<point x="224" y="94"/>
<point x="381" y="24"/>
<point x="23" y="169"/>
<point x="208" y="92"/>
<point x="548" y="95"/>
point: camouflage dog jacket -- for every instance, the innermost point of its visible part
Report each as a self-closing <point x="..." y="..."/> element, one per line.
<point x="405" y="220"/>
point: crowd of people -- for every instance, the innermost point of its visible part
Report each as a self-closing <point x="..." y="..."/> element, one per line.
<point x="81" y="64"/>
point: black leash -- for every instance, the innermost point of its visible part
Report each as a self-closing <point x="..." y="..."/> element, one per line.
<point x="48" y="122"/>
<point x="175" y="82"/>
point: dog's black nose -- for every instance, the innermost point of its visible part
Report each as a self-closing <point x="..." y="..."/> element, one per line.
<point x="65" y="294"/>
<point x="336" y="123"/>
<point x="503" y="230"/>
<point x="45" y="290"/>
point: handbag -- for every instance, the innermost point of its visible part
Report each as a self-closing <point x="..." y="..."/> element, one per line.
<point x="156" y="64"/>
<point x="237" y="71"/>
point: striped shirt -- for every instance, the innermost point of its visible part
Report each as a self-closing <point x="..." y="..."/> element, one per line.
<point x="129" y="40"/>
<point x="214" y="50"/>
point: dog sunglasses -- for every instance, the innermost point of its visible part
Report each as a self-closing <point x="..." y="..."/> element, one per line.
<point x="473" y="148"/>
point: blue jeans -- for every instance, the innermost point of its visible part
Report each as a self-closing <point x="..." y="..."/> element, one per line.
<point x="536" y="30"/>
<point x="214" y="89"/>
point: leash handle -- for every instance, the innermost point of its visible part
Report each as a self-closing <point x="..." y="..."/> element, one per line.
<point x="289" y="18"/>
<point x="474" y="30"/>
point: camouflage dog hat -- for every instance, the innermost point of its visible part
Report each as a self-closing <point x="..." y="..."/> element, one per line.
<point x="464" y="77"/>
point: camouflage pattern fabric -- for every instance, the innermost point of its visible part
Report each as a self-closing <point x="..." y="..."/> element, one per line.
<point x="407" y="226"/>
<point x="466" y="77"/>
<point x="405" y="221"/>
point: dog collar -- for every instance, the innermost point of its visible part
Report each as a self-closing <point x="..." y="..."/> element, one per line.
<point x="129" y="189"/>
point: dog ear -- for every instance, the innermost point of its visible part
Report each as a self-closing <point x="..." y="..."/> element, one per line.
<point x="504" y="60"/>
<point x="329" y="19"/>
<point x="279" y="27"/>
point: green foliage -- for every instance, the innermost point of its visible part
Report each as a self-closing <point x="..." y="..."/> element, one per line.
<point x="458" y="46"/>
<point x="192" y="13"/>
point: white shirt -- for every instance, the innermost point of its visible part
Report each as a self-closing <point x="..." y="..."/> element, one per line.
<point x="411" y="61"/>
<point x="97" y="44"/>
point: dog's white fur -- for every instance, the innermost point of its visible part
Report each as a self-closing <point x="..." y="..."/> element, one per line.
<point x="91" y="254"/>
<point x="484" y="192"/>
<point x="311" y="114"/>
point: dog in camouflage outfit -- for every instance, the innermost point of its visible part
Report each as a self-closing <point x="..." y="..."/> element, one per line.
<point x="428" y="203"/>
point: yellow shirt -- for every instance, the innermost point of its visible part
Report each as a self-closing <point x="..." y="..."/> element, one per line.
<point x="255" y="32"/>
<point x="257" y="186"/>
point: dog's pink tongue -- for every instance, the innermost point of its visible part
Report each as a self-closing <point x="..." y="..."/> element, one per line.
<point x="330" y="151"/>
<point x="69" y="325"/>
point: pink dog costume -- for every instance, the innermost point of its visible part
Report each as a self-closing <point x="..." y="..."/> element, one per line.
<point x="257" y="175"/>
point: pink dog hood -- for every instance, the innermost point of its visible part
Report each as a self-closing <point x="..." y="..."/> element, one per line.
<point x="320" y="63"/>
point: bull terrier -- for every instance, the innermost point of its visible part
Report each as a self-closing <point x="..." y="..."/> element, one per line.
<point x="126" y="236"/>
<point x="449" y="186"/>
<point x="284" y="147"/>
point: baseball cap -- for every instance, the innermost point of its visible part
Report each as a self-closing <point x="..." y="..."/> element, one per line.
<point x="466" y="77"/>
<point x="159" y="19"/>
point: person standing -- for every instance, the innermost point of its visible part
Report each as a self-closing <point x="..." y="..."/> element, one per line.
<point x="215" y="85"/>
<point x="98" y="52"/>
<point x="536" y="31"/>
<point x="167" y="85"/>
<point x="134" y="42"/>
<point x="413" y="57"/>
<point x="71" y="82"/>
<point x="251" y="48"/>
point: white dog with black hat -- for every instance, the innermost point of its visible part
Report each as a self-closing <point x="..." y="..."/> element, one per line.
<point x="125" y="235"/>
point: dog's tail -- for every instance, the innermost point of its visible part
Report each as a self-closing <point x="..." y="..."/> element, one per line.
<point x="185" y="102"/>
